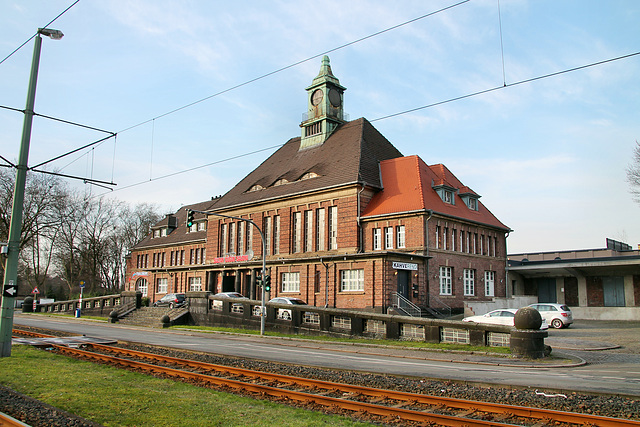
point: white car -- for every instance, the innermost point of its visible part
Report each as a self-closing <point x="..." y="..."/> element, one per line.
<point x="556" y="315"/>
<point x="283" y="313"/>
<point x="235" y="308"/>
<point x="503" y="316"/>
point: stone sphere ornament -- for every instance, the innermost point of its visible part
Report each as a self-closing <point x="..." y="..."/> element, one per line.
<point x="527" y="318"/>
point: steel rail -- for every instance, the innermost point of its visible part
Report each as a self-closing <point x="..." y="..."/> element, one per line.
<point x="8" y="421"/>
<point x="464" y="406"/>
<point x="278" y="393"/>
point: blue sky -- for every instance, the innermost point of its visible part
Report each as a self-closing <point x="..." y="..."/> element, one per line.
<point x="548" y="157"/>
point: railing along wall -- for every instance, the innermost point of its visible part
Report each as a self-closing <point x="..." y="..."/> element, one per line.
<point x="97" y="306"/>
<point x="206" y="310"/>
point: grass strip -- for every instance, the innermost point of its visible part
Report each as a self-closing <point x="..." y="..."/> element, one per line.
<point x="116" y="397"/>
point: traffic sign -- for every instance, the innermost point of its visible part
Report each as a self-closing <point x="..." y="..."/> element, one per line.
<point x="35" y="291"/>
<point x="10" y="290"/>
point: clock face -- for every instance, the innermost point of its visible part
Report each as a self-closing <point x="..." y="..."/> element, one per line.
<point x="334" y="97"/>
<point x="316" y="97"/>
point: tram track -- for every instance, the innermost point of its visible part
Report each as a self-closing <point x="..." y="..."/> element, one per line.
<point x="359" y="401"/>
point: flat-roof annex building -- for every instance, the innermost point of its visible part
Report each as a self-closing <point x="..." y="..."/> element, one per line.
<point x="349" y="222"/>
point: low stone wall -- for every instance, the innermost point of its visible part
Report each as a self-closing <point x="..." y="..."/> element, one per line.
<point x="205" y="310"/>
<point x="98" y="306"/>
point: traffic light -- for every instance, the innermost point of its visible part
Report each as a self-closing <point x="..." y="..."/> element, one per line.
<point x="267" y="283"/>
<point x="189" y="218"/>
<point x="259" y="280"/>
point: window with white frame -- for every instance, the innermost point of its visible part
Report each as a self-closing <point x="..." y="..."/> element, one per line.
<point x="223" y="240"/>
<point x="446" y="273"/>
<point x="163" y="232"/>
<point x="291" y="282"/>
<point x="267" y="234"/>
<point x="202" y="226"/>
<point x="163" y="285"/>
<point x="388" y="237"/>
<point x="377" y="239"/>
<point x="333" y="228"/>
<point x="351" y="280"/>
<point x="232" y="237"/>
<point x="143" y="286"/>
<point x="469" y="282"/>
<point x="156" y="233"/>
<point x="489" y="283"/>
<point x="276" y="234"/>
<point x="308" y="231"/>
<point x="400" y="237"/>
<point x="297" y="231"/>
<point x="195" y="284"/>
<point x="241" y="233"/>
<point x="320" y="229"/>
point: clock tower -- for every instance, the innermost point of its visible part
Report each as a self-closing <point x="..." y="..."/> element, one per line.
<point x="325" y="107"/>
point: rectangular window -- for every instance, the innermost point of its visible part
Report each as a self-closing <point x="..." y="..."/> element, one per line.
<point x="163" y="232"/>
<point x="232" y="237"/>
<point x="446" y="273"/>
<point x="195" y="284"/>
<point x="241" y="233"/>
<point x="276" y="234"/>
<point x="197" y="256"/>
<point x="468" y="242"/>
<point x="445" y="239"/>
<point x="164" y="259"/>
<point x="191" y="256"/>
<point x="438" y="237"/>
<point x="162" y="286"/>
<point x="297" y="231"/>
<point x="352" y="280"/>
<point x="454" y="239"/>
<point x="400" y="236"/>
<point x="249" y="237"/>
<point x="290" y="282"/>
<point x="267" y="234"/>
<point x="469" y="282"/>
<point x="377" y="239"/>
<point x="388" y="238"/>
<point x="333" y="228"/>
<point x="202" y="226"/>
<point x="223" y="240"/>
<point x="308" y="231"/>
<point x="203" y="257"/>
<point x="320" y="229"/>
<point x="489" y="283"/>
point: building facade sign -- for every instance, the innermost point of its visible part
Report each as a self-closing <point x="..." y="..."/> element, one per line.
<point x="405" y="266"/>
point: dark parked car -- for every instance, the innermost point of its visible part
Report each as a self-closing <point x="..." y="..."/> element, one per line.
<point x="172" y="301"/>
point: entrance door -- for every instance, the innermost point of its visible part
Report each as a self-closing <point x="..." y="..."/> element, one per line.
<point x="613" y="288"/>
<point x="547" y="290"/>
<point x="228" y="283"/>
<point x="403" y="283"/>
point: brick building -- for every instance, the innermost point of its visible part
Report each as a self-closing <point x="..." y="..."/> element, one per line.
<point x="348" y="222"/>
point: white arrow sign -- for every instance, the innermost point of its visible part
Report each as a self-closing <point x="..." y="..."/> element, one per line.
<point x="9" y="290"/>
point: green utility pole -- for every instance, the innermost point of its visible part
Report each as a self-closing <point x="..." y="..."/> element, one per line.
<point x="10" y="288"/>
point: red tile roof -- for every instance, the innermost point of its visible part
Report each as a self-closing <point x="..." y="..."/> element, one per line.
<point x="408" y="186"/>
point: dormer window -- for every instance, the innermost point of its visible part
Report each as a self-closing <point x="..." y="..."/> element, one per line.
<point x="163" y="232"/>
<point x="281" y="181"/>
<point x="448" y="197"/>
<point x="156" y="233"/>
<point x="470" y="198"/>
<point x="446" y="193"/>
<point x="256" y="187"/>
<point x="308" y="175"/>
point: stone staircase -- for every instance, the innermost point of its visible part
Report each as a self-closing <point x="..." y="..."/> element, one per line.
<point x="151" y="316"/>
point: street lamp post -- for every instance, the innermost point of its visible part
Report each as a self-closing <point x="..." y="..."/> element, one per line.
<point x="15" y="231"/>
<point x="263" y="311"/>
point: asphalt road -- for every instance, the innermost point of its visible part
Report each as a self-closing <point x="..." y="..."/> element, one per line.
<point x="611" y="371"/>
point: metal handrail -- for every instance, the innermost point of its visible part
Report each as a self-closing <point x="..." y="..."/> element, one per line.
<point x="407" y="306"/>
<point x="443" y="312"/>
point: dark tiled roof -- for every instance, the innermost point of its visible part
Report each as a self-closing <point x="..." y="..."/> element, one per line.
<point x="351" y="154"/>
<point x="180" y="234"/>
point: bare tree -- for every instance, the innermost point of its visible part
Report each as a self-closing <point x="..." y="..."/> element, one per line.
<point x="633" y="173"/>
